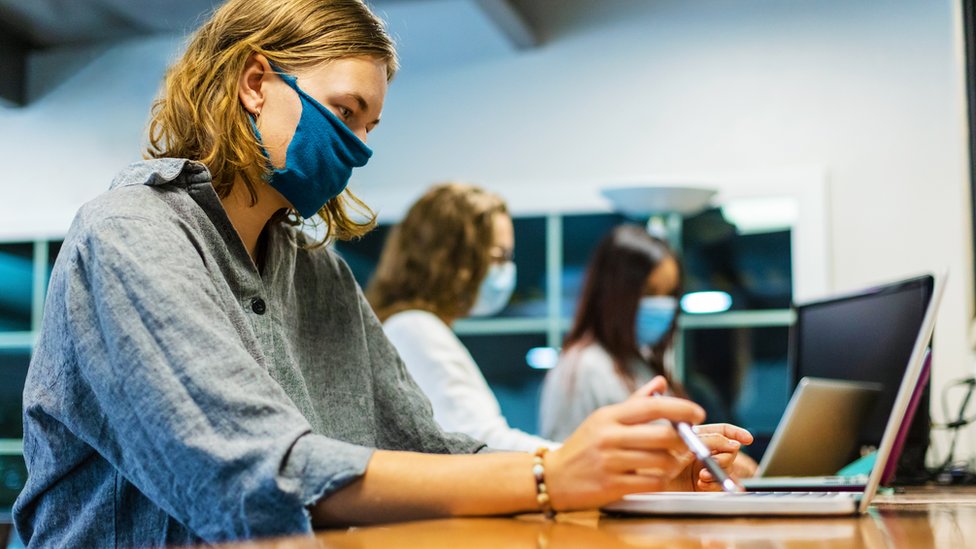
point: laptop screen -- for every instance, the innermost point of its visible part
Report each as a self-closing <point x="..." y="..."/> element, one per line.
<point x="866" y="336"/>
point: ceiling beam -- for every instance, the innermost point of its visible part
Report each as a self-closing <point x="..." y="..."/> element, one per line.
<point x="49" y="68"/>
<point x="511" y="22"/>
<point x="13" y="67"/>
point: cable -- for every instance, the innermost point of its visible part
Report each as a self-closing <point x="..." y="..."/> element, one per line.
<point x="960" y="421"/>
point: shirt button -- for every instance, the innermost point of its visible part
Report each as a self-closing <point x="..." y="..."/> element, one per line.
<point x="258" y="306"/>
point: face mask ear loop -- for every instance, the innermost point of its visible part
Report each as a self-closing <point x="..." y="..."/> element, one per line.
<point x="290" y="80"/>
<point x="257" y="136"/>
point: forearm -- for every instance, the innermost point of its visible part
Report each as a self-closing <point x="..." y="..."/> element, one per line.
<point x="401" y="486"/>
<point x="595" y="466"/>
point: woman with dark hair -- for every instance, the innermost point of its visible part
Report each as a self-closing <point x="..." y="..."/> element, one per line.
<point x="623" y="328"/>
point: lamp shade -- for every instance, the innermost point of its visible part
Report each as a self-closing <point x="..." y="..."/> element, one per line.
<point x="648" y="200"/>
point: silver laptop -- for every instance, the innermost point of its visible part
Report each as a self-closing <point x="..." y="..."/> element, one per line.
<point x="818" y="406"/>
<point x="799" y="503"/>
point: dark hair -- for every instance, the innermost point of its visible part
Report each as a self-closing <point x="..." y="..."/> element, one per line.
<point x="607" y="311"/>
<point x="436" y="258"/>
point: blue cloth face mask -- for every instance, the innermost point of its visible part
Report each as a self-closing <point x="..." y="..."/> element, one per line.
<point x="495" y="290"/>
<point x="654" y="318"/>
<point x="320" y="157"/>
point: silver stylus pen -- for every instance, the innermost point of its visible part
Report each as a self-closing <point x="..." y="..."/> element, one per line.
<point x="704" y="455"/>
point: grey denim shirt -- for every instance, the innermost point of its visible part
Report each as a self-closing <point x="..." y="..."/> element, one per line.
<point x="179" y="396"/>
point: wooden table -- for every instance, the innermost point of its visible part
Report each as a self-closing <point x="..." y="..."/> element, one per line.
<point x="931" y="517"/>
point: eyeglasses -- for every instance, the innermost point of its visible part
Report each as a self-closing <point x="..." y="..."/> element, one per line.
<point x="501" y="255"/>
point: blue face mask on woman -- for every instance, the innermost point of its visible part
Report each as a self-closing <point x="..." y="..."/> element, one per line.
<point x="655" y="315"/>
<point x="495" y="290"/>
<point x="320" y="157"/>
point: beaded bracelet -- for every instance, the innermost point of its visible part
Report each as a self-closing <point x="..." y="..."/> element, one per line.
<point x="541" y="491"/>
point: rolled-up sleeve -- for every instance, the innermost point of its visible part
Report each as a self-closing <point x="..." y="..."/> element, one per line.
<point x="182" y="407"/>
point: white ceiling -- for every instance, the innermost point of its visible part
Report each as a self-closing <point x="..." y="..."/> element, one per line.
<point x="438" y="33"/>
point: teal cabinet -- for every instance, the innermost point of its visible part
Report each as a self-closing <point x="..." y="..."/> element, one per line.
<point x="24" y="272"/>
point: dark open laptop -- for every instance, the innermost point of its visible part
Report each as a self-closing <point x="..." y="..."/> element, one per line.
<point x="813" y="503"/>
<point x="861" y="337"/>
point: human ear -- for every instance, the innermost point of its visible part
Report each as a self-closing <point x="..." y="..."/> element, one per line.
<point x="250" y="88"/>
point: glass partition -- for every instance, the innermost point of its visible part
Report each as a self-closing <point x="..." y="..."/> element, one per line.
<point x="581" y="235"/>
<point x="753" y="266"/>
<point x="516" y="386"/>
<point x="13" y="471"/>
<point x="529" y="298"/>
<point x="16" y="286"/>
<point x="740" y="375"/>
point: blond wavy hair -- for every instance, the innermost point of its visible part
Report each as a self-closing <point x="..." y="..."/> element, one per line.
<point x="435" y="259"/>
<point x="200" y="117"/>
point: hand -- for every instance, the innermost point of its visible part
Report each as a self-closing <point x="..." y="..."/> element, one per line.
<point x="724" y="441"/>
<point x="599" y="463"/>
<point x="744" y="467"/>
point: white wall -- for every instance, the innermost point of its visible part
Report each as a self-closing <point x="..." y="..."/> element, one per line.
<point x="867" y="90"/>
<point x="66" y="147"/>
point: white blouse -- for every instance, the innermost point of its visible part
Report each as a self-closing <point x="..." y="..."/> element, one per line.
<point x="446" y="372"/>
